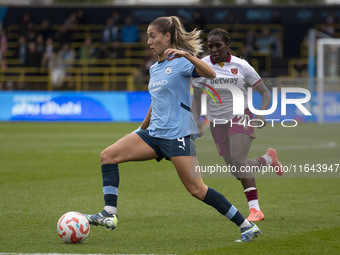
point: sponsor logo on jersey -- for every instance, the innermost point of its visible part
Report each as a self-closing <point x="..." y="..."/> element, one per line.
<point x="222" y="80"/>
<point x="158" y="83"/>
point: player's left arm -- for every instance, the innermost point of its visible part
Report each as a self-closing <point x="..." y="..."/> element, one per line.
<point x="266" y="98"/>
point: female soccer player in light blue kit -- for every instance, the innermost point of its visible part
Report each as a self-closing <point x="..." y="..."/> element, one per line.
<point x="165" y="131"/>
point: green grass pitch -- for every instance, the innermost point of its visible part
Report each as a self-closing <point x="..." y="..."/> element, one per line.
<point x="47" y="169"/>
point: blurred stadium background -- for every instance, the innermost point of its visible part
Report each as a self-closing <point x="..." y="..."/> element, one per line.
<point x="71" y="62"/>
<point x="89" y="46"/>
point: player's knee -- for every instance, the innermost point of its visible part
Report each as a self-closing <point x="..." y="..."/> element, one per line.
<point x="197" y="192"/>
<point x="104" y="157"/>
<point x="237" y="175"/>
<point x="108" y="157"/>
<point x="238" y="161"/>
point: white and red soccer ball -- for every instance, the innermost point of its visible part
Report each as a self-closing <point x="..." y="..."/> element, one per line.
<point x="73" y="227"/>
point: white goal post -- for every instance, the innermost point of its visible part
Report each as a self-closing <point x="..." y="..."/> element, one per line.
<point x="328" y="69"/>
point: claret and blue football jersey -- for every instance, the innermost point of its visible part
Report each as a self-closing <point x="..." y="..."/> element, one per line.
<point x="233" y="71"/>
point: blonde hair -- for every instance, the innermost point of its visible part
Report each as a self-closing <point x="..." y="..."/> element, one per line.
<point x="180" y="38"/>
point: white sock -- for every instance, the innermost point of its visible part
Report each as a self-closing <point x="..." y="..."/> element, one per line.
<point x="254" y="204"/>
<point x="110" y="209"/>
<point x="268" y="159"/>
<point x="249" y="189"/>
<point x="245" y="224"/>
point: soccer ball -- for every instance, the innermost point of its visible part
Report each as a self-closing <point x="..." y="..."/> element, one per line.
<point x="73" y="227"/>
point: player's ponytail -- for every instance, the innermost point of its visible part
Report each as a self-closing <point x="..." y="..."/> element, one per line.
<point x="180" y="38"/>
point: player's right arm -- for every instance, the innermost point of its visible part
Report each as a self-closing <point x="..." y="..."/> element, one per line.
<point x="146" y="121"/>
<point x="196" y="109"/>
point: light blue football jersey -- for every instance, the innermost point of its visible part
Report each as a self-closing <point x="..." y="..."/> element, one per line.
<point x="169" y="87"/>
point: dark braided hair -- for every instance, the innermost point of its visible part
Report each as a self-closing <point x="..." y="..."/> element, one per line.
<point x="223" y="33"/>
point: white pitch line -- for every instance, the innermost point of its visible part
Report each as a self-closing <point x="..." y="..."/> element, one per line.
<point x="326" y="145"/>
<point x="13" y="253"/>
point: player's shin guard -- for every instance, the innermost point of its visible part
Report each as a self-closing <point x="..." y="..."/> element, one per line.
<point x="110" y="175"/>
<point x="223" y="206"/>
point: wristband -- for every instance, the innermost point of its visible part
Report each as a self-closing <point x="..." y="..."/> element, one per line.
<point x="138" y="129"/>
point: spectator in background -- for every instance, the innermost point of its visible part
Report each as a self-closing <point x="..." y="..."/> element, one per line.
<point x="330" y="21"/>
<point x="268" y="44"/>
<point x="300" y="69"/>
<point x="25" y="20"/>
<point x="33" y="59"/>
<point x="3" y="48"/>
<point x="81" y="17"/>
<point x="116" y="51"/>
<point x="65" y="35"/>
<point x="49" y="46"/>
<point x="249" y="45"/>
<point x="130" y="32"/>
<point x="32" y="62"/>
<point x="116" y="18"/>
<point x="70" y="27"/>
<point x="138" y="79"/>
<point x="40" y="45"/>
<point x="21" y="49"/>
<point x="148" y="60"/>
<point x="276" y="18"/>
<point x="110" y="31"/>
<point x="141" y="76"/>
<point x="30" y="32"/>
<point x="231" y="20"/>
<point x="10" y="85"/>
<point x="63" y="59"/>
<point x="48" y="54"/>
<point x="46" y="29"/>
<point x="103" y="52"/>
<point x="332" y="67"/>
<point x="185" y="23"/>
<point x="87" y="51"/>
<point x="198" y="20"/>
<point x="65" y="56"/>
<point x="71" y="22"/>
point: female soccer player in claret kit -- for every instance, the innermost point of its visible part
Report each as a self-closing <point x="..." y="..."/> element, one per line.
<point x="165" y="131"/>
<point x="234" y="138"/>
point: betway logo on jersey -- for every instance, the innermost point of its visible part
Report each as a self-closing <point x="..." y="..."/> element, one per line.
<point x="224" y="81"/>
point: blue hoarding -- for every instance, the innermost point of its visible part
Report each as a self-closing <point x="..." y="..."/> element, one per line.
<point x="331" y="107"/>
<point x="127" y="106"/>
<point x="74" y="106"/>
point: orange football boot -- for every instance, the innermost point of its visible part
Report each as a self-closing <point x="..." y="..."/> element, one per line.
<point x="278" y="168"/>
<point x="255" y="215"/>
